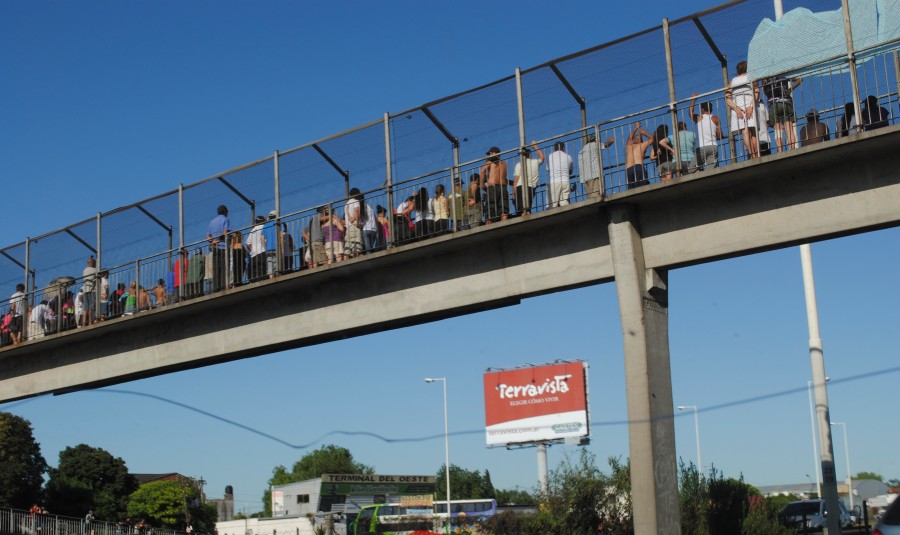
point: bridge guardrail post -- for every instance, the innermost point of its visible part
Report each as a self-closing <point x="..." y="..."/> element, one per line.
<point x="673" y="114"/>
<point x="329" y="250"/>
<point x="137" y="285"/>
<point x="598" y="146"/>
<point x="388" y="180"/>
<point x="523" y="171"/>
<point x="897" y="72"/>
<point x="182" y="257"/>
<point x="279" y="246"/>
<point x="23" y="305"/>
<point x="98" y="278"/>
<point x="851" y="60"/>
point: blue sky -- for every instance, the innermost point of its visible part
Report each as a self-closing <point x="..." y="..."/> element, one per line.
<point x="106" y="103"/>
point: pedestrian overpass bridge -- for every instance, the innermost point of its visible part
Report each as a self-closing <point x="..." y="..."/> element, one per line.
<point x="814" y="193"/>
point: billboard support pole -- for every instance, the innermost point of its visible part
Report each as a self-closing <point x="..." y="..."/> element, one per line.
<point x="543" y="475"/>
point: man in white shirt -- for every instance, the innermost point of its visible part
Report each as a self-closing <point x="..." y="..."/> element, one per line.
<point x="589" y="164"/>
<point x="88" y="289"/>
<point x="533" y="174"/>
<point x="256" y="243"/>
<point x="559" y="164"/>
<point x="40" y="317"/>
<point x="17" y="309"/>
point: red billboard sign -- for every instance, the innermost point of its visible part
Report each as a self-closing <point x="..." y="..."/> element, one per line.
<point x="535" y="404"/>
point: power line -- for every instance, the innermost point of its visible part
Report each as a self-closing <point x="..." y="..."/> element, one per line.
<point x="424" y="438"/>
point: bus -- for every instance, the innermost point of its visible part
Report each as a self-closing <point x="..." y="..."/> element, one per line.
<point x="471" y="509"/>
<point x="381" y="518"/>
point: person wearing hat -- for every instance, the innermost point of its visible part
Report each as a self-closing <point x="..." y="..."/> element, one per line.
<point x="215" y="233"/>
<point x="589" y="164"/>
<point x="495" y="173"/>
<point x="814" y="131"/>
<point x="256" y="244"/>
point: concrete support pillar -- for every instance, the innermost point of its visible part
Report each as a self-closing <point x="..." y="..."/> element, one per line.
<point x="643" y="307"/>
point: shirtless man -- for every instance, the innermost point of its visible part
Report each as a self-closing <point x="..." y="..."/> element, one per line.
<point x="635" y="151"/>
<point x="494" y="173"/>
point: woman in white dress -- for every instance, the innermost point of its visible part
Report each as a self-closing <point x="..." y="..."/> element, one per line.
<point x="741" y="98"/>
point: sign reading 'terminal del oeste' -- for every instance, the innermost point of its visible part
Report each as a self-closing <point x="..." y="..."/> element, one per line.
<point x="377" y="484"/>
<point x="536" y="404"/>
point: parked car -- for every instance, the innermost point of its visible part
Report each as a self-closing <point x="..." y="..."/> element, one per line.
<point x="889" y="524"/>
<point x="810" y="514"/>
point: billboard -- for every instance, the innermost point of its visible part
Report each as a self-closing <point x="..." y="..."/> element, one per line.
<point x="536" y="404"/>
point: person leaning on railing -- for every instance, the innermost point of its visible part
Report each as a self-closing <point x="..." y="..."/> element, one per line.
<point x="256" y="244"/>
<point x="814" y="131"/>
<point x="741" y="97"/>
<point x="559" y="167"/>
<point x="215" y="233"/>
<point x="635" y="151"/>
<point x="17" y="309"/>
<point x="778" y="91"/>
<point x="459" y="200"/>
<point x="709" y="132"/>
<point x="495" y="174"/>
<point x="589" y="164"/>
<point x="873" y="115"/>
<point x="687" y="145"/>
<point x="314" y="238"/>
<point x="532" y="173"/>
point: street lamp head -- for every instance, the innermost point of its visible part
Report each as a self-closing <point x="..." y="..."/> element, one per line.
<point x="429" y="380"/>
<point x="681" y="407"/>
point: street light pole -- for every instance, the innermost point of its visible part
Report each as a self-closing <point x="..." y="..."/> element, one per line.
<point x="847" y="456"/>
<point x="446" y="446"/>
<point x="812" y="424"/>
<point x="817" y="364"/>
<point x="696" y="434"/>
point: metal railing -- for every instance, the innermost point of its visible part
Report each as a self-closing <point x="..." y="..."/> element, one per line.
<point x="17" y="522"/>
<point x="423" y="172"/>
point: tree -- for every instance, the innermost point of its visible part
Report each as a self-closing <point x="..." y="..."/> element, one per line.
<point x="515" y="497"/>
<point x="328" y="459"/>
<point x="89" y="478"/>
<point x="762" y="519"/>
<point x="579" y="495"/>
<point x="171" y="504"/>
<point x="22" y="466"/>
<point x="729" y="503"/>
<point x="693" y="494"/>
<point x="893" y="482"/>
<point x="868" y="475"/>
<point x="464" y="484"/>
